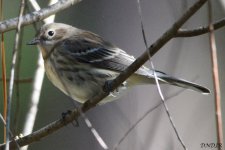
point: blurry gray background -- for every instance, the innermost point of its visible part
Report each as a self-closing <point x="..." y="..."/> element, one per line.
<point x="118" y="21"/>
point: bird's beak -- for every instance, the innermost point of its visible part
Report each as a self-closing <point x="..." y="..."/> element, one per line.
<point x="35" y="41"/>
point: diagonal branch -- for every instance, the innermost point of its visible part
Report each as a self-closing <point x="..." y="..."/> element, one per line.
<point x="37" y="15"/>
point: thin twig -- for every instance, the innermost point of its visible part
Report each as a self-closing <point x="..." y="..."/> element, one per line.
<point x="94" y="132"/>
<point x="54" y="126"/>
<point x="143" y="117"/>
<point x="10" y="132"/>
<point x="157" y="80"/>
<point x="4" y="84"/>
<point x="200" y="30"/>
<point x="25" y="80"/>
<point x="3" y="64"/>
<point x="51" y="18"/>
<point x="35" y="5"/>
<point x="17" y="101"/>
<point x="37" y="84"/>
<point x="12" y="73"/>
<point x="217" y="94"/>
<point x="35" y="97"/>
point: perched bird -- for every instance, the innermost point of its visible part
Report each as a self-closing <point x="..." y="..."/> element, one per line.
<point x="79" y="63"/>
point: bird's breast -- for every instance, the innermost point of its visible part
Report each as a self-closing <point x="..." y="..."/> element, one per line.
<point x="79" y="81"/>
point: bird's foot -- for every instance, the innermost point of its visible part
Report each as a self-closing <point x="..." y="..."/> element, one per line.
<point x="64" y="114"/>
<point x="108" y="86"/>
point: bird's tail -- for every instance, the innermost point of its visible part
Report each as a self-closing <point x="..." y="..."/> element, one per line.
<point x="181" y="83"/>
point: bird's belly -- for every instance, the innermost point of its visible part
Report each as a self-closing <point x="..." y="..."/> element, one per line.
<point x="69" y="83"/>
<point x="82" y="85"/>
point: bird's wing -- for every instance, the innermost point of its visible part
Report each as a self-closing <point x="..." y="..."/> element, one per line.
<point x="88" y="48"/>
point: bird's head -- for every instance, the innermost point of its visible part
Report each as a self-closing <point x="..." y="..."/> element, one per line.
<point x="50" y="34"/>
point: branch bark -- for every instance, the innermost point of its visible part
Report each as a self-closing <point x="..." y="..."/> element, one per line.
<point x="54" y="126"/>
<point x="36" y="16"/>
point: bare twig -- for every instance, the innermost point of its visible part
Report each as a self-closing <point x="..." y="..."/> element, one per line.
<point x="147" y="113"/>
<point x="94" y="132"/>
<point x="217" y="94"/>
<point x="37" y="84"/>
<point x="32" y="112"/>
<point x="37" y="15"/>
<point x="143" y="117"/>
<point x="10" y="132"/>
<point x="4" y="84"/>
<point x="35" y="5"/>
<point x="157" y="81"/>
<point x="3" y="64"/>
<point x="12" y="73"/>
<point x="54" y="126"/>
<point x="200" y="30"/>
<point x="17" y="101"/>
<point x="26" y="80"/>
<point x="51" y="18"/>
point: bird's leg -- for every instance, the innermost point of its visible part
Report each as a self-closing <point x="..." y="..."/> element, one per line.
<point x="108" y="86"/>
<point x="64" y="114"/>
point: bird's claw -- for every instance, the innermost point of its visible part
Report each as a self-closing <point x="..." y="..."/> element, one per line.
<point x="64" y="114"/>
<point x="108" y="86"/>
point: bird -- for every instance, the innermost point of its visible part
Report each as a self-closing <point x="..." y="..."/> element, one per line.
<point x="80" y="62"/>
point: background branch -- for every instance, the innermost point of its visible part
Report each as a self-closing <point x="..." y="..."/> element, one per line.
<point x="54" y="126"/>
<point x="38" y="81"/>
<point x="116" y="146"/>
<point x="12" y="73"/>
<point x="215" y="67"/>
<point x="3" y="68"/>
<point x="36" y="16"/>
<point x="200" y="30"/>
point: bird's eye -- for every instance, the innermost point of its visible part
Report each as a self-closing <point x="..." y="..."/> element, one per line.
<point x="51" y="33"/>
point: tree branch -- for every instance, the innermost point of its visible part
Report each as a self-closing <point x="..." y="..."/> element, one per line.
<point x="215" y="72"/>
<point x="54" y="126"/>
<point x="12" y="72"/>
<point x="200" y="30"/>
<point x="30" y="18"/>
<point x="38" y="81"/>
<point x="36" y="16"/>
